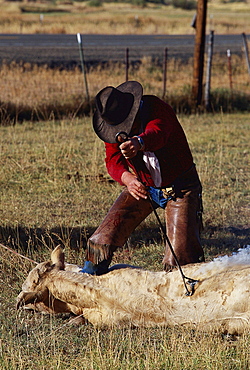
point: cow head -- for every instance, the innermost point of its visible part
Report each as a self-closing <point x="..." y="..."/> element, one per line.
<point x="34" y="290"/>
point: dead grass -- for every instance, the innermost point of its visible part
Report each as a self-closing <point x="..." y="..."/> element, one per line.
<point x="118" y="18"/>
<point x="36" y="93"/>
<point x="51" y="183"/>
<point x="39" y="93"/>
<point x="51" y="193"/>
<point x="54" y="189"/>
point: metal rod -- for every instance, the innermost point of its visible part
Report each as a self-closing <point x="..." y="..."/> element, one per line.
<point x="127" y="63"/>
<point x="79" y="39"/>
<point x="124" y="136"/>
<point x="165" y="72"/>
<point x="209" y="67"/>
<point x="246" y="51"/>
<point x="230" y="69"/>
<point x="190" y="281"/>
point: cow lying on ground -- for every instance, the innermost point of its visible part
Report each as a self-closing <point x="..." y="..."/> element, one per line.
<point x="221" y="299"/>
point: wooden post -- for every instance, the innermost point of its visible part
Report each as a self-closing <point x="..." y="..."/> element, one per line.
<point x="165" y="72"/>
<point x="209" y="67"/>
<point x="127" y="64"/>
<point x="199" y="51"/>
<point x="246" y="51"/>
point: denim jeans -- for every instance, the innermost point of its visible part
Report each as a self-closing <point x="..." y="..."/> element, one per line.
<point x="158" y="197"/>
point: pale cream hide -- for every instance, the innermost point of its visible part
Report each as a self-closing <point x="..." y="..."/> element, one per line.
<point x="221" y="300"/>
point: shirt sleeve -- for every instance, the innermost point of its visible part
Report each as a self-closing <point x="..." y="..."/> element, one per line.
<point x="115" y="162"/>
<point x="161" y="122"/>
<point x="156" y="134"/>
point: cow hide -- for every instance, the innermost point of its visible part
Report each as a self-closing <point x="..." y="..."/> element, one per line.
<point x="221" y="298"/>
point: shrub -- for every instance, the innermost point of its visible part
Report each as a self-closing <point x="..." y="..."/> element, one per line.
<point x="229" y="101"/>
<point x="95" y="3"/>
<point x="184" y="4"/>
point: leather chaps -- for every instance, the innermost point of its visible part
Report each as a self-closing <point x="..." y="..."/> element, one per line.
<point x="183" y="223"/>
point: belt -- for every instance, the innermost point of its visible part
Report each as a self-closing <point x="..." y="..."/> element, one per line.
<point x="168" y="192"/>
<point x="185" y="181"/>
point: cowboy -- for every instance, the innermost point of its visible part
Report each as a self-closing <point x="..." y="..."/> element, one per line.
<point x="154" y="163"/>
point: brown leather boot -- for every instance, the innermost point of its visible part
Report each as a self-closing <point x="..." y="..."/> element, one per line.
<point x="183" y="230"/>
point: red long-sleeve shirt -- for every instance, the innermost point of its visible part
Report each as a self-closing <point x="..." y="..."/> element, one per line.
<point x="162" y="135"/>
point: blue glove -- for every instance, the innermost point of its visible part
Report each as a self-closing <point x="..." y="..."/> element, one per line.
<point x="89" y="268"/>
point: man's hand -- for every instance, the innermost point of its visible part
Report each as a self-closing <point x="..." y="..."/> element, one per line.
<point x="134" y="186"/>
<point x="130" y="147"/>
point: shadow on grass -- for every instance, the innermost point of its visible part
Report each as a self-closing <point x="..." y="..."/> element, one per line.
<point x="221" y="100"/>
<point x="215" y="240"/>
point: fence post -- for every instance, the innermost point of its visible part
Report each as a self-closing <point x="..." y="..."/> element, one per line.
<point x="199" y="47"/>
<point x="246" y="51"/>
<point x="127" y="63"/>
<point x="230" y="69"/>
<point x="209" y="66"/>
<point x="41" y="17"/>
<point x="79" y="39"/>
<point x="165" y="72"/>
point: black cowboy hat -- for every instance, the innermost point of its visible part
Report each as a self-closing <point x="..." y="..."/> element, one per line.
<point x="116" y="109"/>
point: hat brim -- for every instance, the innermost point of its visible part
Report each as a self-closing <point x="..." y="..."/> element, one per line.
<point x="107" y="132"/>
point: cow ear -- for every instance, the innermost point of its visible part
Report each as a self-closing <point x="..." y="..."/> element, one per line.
<point x="25" y="298"/>
<point x="57" y="258"/>
<point x="43" y="268"/>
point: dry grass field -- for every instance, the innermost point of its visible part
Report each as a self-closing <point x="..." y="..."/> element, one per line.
<point x="53" y="174"/>
<point x="30" y="92"/>
<point x="118" y="18"/>
<point x="54" y="187"/>
<point x="40" y="93"/>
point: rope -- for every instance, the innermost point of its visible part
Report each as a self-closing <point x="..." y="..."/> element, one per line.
<point x="18" y="254"/>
